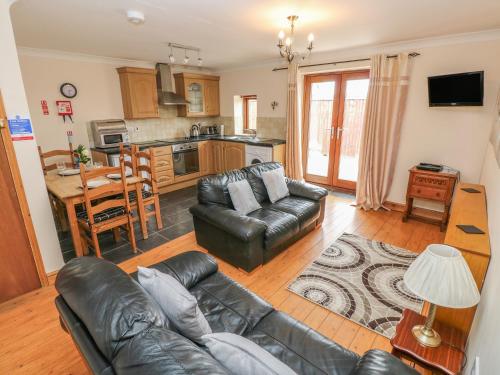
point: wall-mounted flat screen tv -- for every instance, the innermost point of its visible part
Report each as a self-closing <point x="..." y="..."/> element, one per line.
<point x="463" y="89"/>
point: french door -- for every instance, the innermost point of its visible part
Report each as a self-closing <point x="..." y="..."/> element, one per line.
<point x="334" y="105"/>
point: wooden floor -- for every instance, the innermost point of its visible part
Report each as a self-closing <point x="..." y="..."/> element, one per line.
<point x="32" y="342"/>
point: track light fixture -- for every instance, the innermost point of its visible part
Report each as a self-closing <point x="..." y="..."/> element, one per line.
<point x="186" y="58"/>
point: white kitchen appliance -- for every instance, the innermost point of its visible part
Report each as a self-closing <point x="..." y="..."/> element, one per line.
<point x="109" y="133"/>
<point x="257" y="154"/>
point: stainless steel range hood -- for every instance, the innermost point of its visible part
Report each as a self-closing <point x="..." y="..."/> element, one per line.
<point x="166" y="94"/>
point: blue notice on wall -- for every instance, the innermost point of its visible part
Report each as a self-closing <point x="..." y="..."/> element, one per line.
<point x="20" y="129"/>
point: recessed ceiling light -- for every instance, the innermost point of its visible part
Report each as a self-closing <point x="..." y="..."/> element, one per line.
<point x="135" y="17"/>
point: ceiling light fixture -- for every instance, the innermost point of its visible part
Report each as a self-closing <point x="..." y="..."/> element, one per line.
<point x="187" y="50"/>
<point x="285" y="43"/>
<point x="135" y="17"/>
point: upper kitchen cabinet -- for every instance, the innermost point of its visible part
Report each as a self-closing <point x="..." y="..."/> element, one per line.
<point x="139" y="93"/>
<point x="202" y="93"/>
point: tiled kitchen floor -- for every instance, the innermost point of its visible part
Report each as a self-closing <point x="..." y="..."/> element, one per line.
<point x="177" y="221"/>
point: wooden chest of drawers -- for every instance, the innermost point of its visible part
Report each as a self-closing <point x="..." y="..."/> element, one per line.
<point x="436" y="186"/>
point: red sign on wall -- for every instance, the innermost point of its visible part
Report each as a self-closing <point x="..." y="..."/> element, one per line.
<point x="45" y="107"/>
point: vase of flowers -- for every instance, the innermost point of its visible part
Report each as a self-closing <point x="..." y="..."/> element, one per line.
<point x="82" y="155"/>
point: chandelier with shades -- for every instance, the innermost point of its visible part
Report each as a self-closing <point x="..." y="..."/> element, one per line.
<point x="285" y="42"/>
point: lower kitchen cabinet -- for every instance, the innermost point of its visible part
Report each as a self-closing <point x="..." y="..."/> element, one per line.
<point x="234" y="155"/>
<point x="218" y="156"/>
<point x="205" y="156"/>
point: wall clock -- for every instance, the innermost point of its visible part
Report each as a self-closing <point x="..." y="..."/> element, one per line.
<point x="68" y="90"/>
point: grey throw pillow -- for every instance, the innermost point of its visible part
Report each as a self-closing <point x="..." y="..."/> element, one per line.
<point x="242" y="356"/>
<point x="177" y="303"/>
<point x="275" y="183"/>
<point x="242" y="197"/>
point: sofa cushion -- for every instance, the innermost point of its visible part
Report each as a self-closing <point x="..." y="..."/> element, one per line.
<point x="254" y="177"/>
<point x="242" y="197"/>
<point x="113" y="307"/>
<point x="281" y="226"/>
<point x="228" y="306"/>
<point x="177" y="303"/>
<point x="300" y="347"/>
<point x="242" y="356"/>
<point x="213" y="189"/>
<point x="160" y="351"/>
<point x="275" y="183"/>
<point x="304" y="209"/>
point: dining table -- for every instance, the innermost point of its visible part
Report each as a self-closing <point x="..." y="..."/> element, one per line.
<point x="69" y="190"/>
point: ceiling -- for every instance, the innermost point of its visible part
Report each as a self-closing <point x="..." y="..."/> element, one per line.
<point x="238" y="32"/>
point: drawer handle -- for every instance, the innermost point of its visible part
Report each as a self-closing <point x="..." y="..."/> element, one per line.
<point x="419" y="191"/>
<point x="438" y="194"/>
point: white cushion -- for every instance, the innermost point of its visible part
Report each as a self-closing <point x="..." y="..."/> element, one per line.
<point x="242" y="356"/>
<point x="275" y="183"/>
<point x="242" y="197"/>
<point x="177" y="303"/>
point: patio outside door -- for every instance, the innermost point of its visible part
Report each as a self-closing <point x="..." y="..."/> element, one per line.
<point x="334" y="107"/>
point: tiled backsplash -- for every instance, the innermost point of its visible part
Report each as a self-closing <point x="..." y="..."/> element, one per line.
<point x="171" y="126"/>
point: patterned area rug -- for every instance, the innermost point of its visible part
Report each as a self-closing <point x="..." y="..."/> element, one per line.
<point x="361" y="280"/>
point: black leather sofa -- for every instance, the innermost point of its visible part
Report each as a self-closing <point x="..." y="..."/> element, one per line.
<point x="119" y="329"/>
<point x="249" y="241"/>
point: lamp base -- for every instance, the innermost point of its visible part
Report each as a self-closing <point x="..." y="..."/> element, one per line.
<point x="426" y="337"/>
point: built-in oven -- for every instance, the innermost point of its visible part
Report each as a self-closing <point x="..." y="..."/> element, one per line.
<point x="109" y="133"/>
<point x="185" y="158"/>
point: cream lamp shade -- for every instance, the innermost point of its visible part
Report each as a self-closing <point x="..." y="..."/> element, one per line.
<point x="440" y="275"/>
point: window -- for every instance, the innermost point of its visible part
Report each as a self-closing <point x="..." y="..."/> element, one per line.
<point x="249" y="112"/>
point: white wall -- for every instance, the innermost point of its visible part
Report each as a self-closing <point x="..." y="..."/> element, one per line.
<point x="11" y="85"/>
<point x="484" y="340"/>
<point x="98" y="96"/>
<point x="269" y="86"/>
<point x="451" y="136"/>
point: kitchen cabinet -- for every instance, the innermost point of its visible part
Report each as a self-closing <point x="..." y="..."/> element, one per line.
<point x="218" y="156"/>
<point x="139" y="93"/>
<point x="205" y="157"/>
<point x="202" y="93"/>
<point x="234" y="155"/>
<point x="164" y="166"/>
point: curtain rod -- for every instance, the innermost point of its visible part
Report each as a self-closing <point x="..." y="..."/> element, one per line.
<point x="411" y="54"/>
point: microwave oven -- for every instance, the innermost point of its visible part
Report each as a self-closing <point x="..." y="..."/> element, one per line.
<point x="109" y="133"/>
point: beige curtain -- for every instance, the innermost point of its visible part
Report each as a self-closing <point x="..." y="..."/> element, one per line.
<point x="382" y="128"/>
<point x="293" y="167"/>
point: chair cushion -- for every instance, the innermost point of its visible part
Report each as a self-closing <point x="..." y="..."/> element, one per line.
<point x="281" y="226"/>
<point x="132" y="195"/>
<point x="110" y="213"/>
<point x="300" y="347"/>
<point x="304" y="209"/>
<point x="228" y="306"/>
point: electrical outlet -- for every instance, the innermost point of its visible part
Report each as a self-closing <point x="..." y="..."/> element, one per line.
<point x="136" y="129"/>
<point x="475" y="367"/>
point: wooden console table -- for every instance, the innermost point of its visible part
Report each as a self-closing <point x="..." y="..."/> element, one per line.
<point x="468" y="208"/>
<point x="436" y="186"/>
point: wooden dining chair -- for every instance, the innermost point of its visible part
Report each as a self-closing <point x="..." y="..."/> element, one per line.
<point x="129" y="158"/>
<point x="58" y="208"/>
<point x="107" y="207"/>
<point x="146" y="169"/>
<point x="68" y="155"/>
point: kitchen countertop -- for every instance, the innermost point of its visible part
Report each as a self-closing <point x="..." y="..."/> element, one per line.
<point x="264" y="142"/>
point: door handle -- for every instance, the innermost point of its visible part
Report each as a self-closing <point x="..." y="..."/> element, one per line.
<point x="332" y="132"/>
<point x="339" y="132"/>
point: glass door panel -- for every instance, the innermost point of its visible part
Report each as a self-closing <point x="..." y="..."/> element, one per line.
<point x="320" y="124"/>
<point x="356" y="91"/>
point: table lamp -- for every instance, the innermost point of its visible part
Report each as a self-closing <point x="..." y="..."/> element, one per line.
<point x="441" y="276"/>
